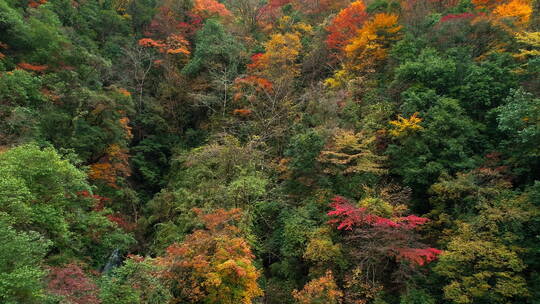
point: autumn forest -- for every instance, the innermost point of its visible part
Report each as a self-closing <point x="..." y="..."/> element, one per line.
<point x="269" y="151"/>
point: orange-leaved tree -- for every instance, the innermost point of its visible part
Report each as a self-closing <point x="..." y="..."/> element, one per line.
<point x="320" y="290"/>
<point x="210" y="8"/>
<point x="113" y="165"/>
<point x="212" y="265"/>
<point x="518" y="10"/>
<point x="345" y="26"/>
<point x="366" y="48"/>
<point x="372" y="41"/>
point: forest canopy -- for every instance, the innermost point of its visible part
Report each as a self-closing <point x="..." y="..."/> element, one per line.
<point x="269" y="151"/>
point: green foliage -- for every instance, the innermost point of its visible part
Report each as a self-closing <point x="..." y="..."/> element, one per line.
<point x="447" y="143"/>
<point x="520" y="119"/>
<point x="429" y="69"/>
<point x="483" y="260"/>
<point x="417" y="296"/>
<point x="303" y="150"/>
<point x="21" y="271"/>
<point x="134" y="282"/>
<point x="222" y="173"/>
<point x="215" y="51"/>
<point x="21" y="88"/>
<point x="41" y="192"/>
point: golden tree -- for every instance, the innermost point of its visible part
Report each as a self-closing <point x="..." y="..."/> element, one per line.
<point x="350" y="152"/>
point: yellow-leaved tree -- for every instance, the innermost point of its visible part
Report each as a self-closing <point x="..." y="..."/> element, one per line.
<point x="367" y="48"/>
<point x="350" y="152"/>
<point x="404" y="126"/>
<point x="321" y="290"/>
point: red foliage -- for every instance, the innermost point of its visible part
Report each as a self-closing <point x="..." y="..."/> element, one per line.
<point x="100" y="201"/>
<point x="418" y="256"/>
<point x="71" y="283"/>
<point x="348" y="216"/>
<point x="121" y="221"/>
<point x="457" y="17"/>
<point x="393" y="235"/>
<point x="194" y="24"/>
<point x="346" y="25"/>
<point x="271" y="10"/>
<point x="255" y="61"/>
<point x="377" y="221"/>
<point x="412" y="221"/>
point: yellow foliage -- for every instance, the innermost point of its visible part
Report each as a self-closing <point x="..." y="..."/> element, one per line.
<point x="321" y="290"/>
<point x="404" y="126"/>
<point x="373" y="39"/>
<point x="351" y="152"/>
<point x="303" y="28"/>
<point x="340" y="78"/>
<point x="532" y="41"/>
<point x="279" y="62"/>
<point x="321" y="249"/>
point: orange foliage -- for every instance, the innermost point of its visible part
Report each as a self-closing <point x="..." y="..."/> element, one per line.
<point x="103" y="172"/>
<point x="174" y="44"/>
<point x="242" y="112"/>
<point x="36" y="3"/>
<point x="372" y="39"/>
<point x="149" y="42"/>
<point x="50" y="94"/>
<point x="345" y="25"/>
<point x="124" y="92"/>
<point x="32" y="67"/>
<point x="124" y="122"/>
<point x="257" y="82"/>
<point x="210" y="8"/>
<point x="519" y="10"/>
<point x="114" y="164"/>
<point x="321" y="290"/>
<point x="213" y="265"/>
